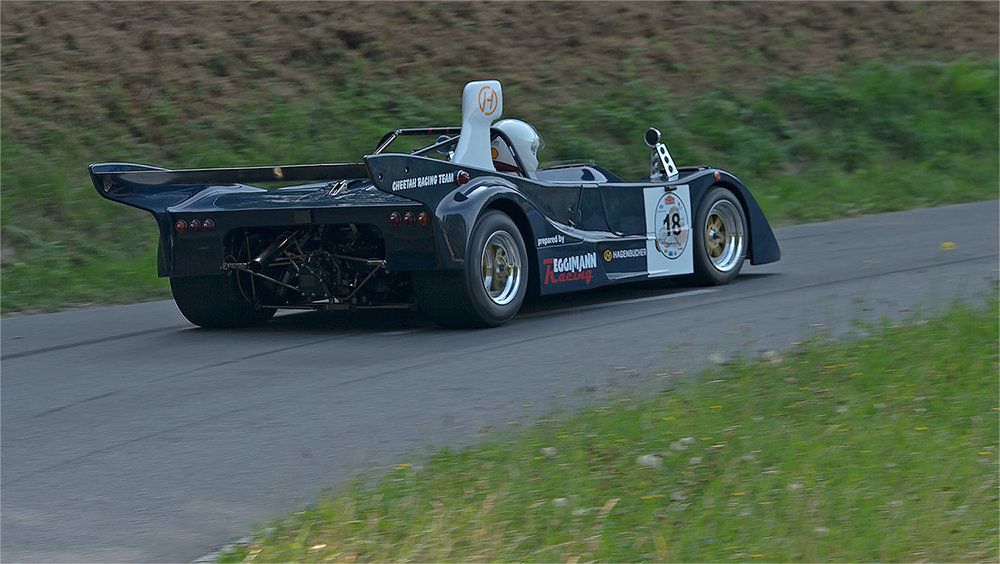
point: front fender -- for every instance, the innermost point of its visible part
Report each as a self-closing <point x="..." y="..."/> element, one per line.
<point x="763" y="247"/>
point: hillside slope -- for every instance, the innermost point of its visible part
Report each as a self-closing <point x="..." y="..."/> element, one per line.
<point x="206" y="57"/>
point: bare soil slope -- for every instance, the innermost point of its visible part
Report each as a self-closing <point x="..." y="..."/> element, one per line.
<point x="202" y="56"/>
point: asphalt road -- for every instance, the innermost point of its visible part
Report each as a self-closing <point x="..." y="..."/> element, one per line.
<point x="130" y="435"/>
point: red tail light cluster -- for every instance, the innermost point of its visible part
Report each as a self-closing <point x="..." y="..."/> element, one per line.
<point x="194" y="226"/>
<point x="409" y="218"/>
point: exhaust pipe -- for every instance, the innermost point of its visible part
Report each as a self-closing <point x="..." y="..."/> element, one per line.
<point x="267" y="255"/>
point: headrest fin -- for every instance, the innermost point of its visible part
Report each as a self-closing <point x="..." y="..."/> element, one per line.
<point x="482" y="104"/>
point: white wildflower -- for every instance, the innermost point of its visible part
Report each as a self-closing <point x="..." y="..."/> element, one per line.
<point x="650" y="461"/>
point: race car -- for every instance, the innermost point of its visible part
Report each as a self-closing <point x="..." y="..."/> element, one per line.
<point x="463" y="226"/>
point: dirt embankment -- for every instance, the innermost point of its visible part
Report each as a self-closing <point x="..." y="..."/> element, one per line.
<point x="66" y="56"/>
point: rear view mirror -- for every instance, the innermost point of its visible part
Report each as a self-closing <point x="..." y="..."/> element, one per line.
<point x="445" y="150"/>
<point x="661" y="166"/>
<point x="652" y="136"/>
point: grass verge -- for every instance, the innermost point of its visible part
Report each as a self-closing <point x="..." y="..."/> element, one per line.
<point x="882" y="449"/>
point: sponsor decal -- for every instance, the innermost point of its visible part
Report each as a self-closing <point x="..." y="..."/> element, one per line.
<point x="488" y="100"/>
<point x="672" y="226"/>
<point x="422" y="181"/>
<point x="553" y="240"/>
<point x="570" y="269"/>
<point x="617" y="254"/>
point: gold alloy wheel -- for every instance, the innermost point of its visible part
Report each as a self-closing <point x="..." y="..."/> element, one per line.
<point x="501" y="268"/>
<point x="724" y="237"/>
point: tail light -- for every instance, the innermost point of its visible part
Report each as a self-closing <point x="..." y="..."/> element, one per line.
<point x="409" y="218"/>
<point x="194" y="225"/>
<point x="424" y="218"/>
<point x="394" y="219"/>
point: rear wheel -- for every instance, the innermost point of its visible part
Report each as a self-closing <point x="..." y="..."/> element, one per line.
<point x="490" y="290"/>
<point x="215" y="302"/>
<point x="720" y="238"/>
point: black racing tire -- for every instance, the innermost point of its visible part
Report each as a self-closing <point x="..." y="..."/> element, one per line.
<point x="490" y="290"/>
<point x="215" y="302"/>
<point x="720" y="239"/>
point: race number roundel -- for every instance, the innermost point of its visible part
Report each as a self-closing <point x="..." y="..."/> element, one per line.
<point x="672" y="226"/>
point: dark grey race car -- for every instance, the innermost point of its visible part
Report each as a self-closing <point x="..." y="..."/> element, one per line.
<point x="462" y="228"/>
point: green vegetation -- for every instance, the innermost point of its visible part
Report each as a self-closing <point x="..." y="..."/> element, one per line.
<point x="867" y="140"/>
<point x="882" y="449"/>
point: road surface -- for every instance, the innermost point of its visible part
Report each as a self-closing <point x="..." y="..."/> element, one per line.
<point x="130" y="435"/>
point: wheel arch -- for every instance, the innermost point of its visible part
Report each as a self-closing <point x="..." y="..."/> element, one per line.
<point x="762" y="247"/>
<point x="516" y="213"/>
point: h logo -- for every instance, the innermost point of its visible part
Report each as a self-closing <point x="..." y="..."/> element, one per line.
<point x="488" y="100"/>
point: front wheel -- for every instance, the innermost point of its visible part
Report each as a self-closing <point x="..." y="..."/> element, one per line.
<point x="720" y="238"/>
<point x="215" y="302"/>
<point x="490" y="290"/>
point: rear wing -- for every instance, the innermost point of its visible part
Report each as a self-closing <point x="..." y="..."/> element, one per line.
<point x="155" y="189"/>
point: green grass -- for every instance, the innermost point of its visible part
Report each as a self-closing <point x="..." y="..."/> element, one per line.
<point x="882" y="449"/>
<point x="868" y="140"/>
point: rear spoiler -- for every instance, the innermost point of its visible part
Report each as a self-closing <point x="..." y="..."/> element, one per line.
<point x="154" y="189"/>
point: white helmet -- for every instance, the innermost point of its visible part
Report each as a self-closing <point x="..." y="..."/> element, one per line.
<point x="526" y="141"/>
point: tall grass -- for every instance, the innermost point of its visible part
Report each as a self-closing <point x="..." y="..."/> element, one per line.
<point x="883" y="449"/>
<point x="868" y="140"/>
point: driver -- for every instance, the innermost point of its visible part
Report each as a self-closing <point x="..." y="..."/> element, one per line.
<point x="526" y="143"/>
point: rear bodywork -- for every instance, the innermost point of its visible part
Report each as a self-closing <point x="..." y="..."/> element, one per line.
<point x="583" y="213"/>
